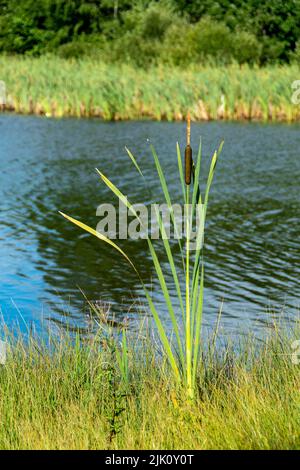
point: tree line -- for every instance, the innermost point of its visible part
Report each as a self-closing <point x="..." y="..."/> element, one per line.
<point x="144" y="32"/>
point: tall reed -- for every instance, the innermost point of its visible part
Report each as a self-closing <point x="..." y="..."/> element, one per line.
<point x="183" y="352"/>
<point x="56" y="87"/>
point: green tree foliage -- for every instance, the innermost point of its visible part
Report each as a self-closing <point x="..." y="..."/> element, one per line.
<point x="275" y="23"/>
<point x="151" y="31"/>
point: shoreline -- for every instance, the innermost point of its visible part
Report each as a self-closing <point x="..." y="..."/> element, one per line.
<point x="84" y="114"/>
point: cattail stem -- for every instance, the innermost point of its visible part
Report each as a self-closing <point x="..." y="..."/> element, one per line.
<point x="188" y="129"/>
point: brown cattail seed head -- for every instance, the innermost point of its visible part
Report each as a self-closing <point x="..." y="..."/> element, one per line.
<point x="188" y="157"/>
<point x="188" y="164"/>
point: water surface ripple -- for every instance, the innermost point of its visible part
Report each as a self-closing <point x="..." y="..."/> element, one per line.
<point x="252" y="242"/>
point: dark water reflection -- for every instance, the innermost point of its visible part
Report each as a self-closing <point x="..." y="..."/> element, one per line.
<point x="252" y="243"/>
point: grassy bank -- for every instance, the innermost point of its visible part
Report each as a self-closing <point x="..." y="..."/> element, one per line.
<point x="58" y="87"/>
<point x="77" y="397"/>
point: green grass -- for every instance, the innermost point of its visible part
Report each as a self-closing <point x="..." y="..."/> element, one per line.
<point x="77" y="398"/>
<point x="58" y="87"/>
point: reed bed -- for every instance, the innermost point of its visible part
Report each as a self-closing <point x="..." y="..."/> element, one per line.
<point x="70" y="393"/>
<point x="86" y="88"/>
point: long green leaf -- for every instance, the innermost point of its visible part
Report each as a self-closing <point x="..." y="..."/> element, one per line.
<point x="117" y="192"/>
<point x="101" y="237"/>
<point x="166" y="193"/>
<point x="196" y="189"/>
<point x="159" y="272"/>
<point x="163" y="336"/>
<point x="170" y="259"/>
<point x="166" y="294"/>
<point x="198" y="326"/>
<point x="180" y="168"/>
<point x="134" y="161"/>
<point x="159" y="325"/>
<point x="200" y="238"/>
<point x="211" y="173"/>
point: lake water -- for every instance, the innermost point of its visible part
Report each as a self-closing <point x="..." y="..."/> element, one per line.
<point x="252" y="240"/>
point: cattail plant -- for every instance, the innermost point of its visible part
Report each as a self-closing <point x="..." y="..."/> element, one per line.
<point x="182" y="351"/>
